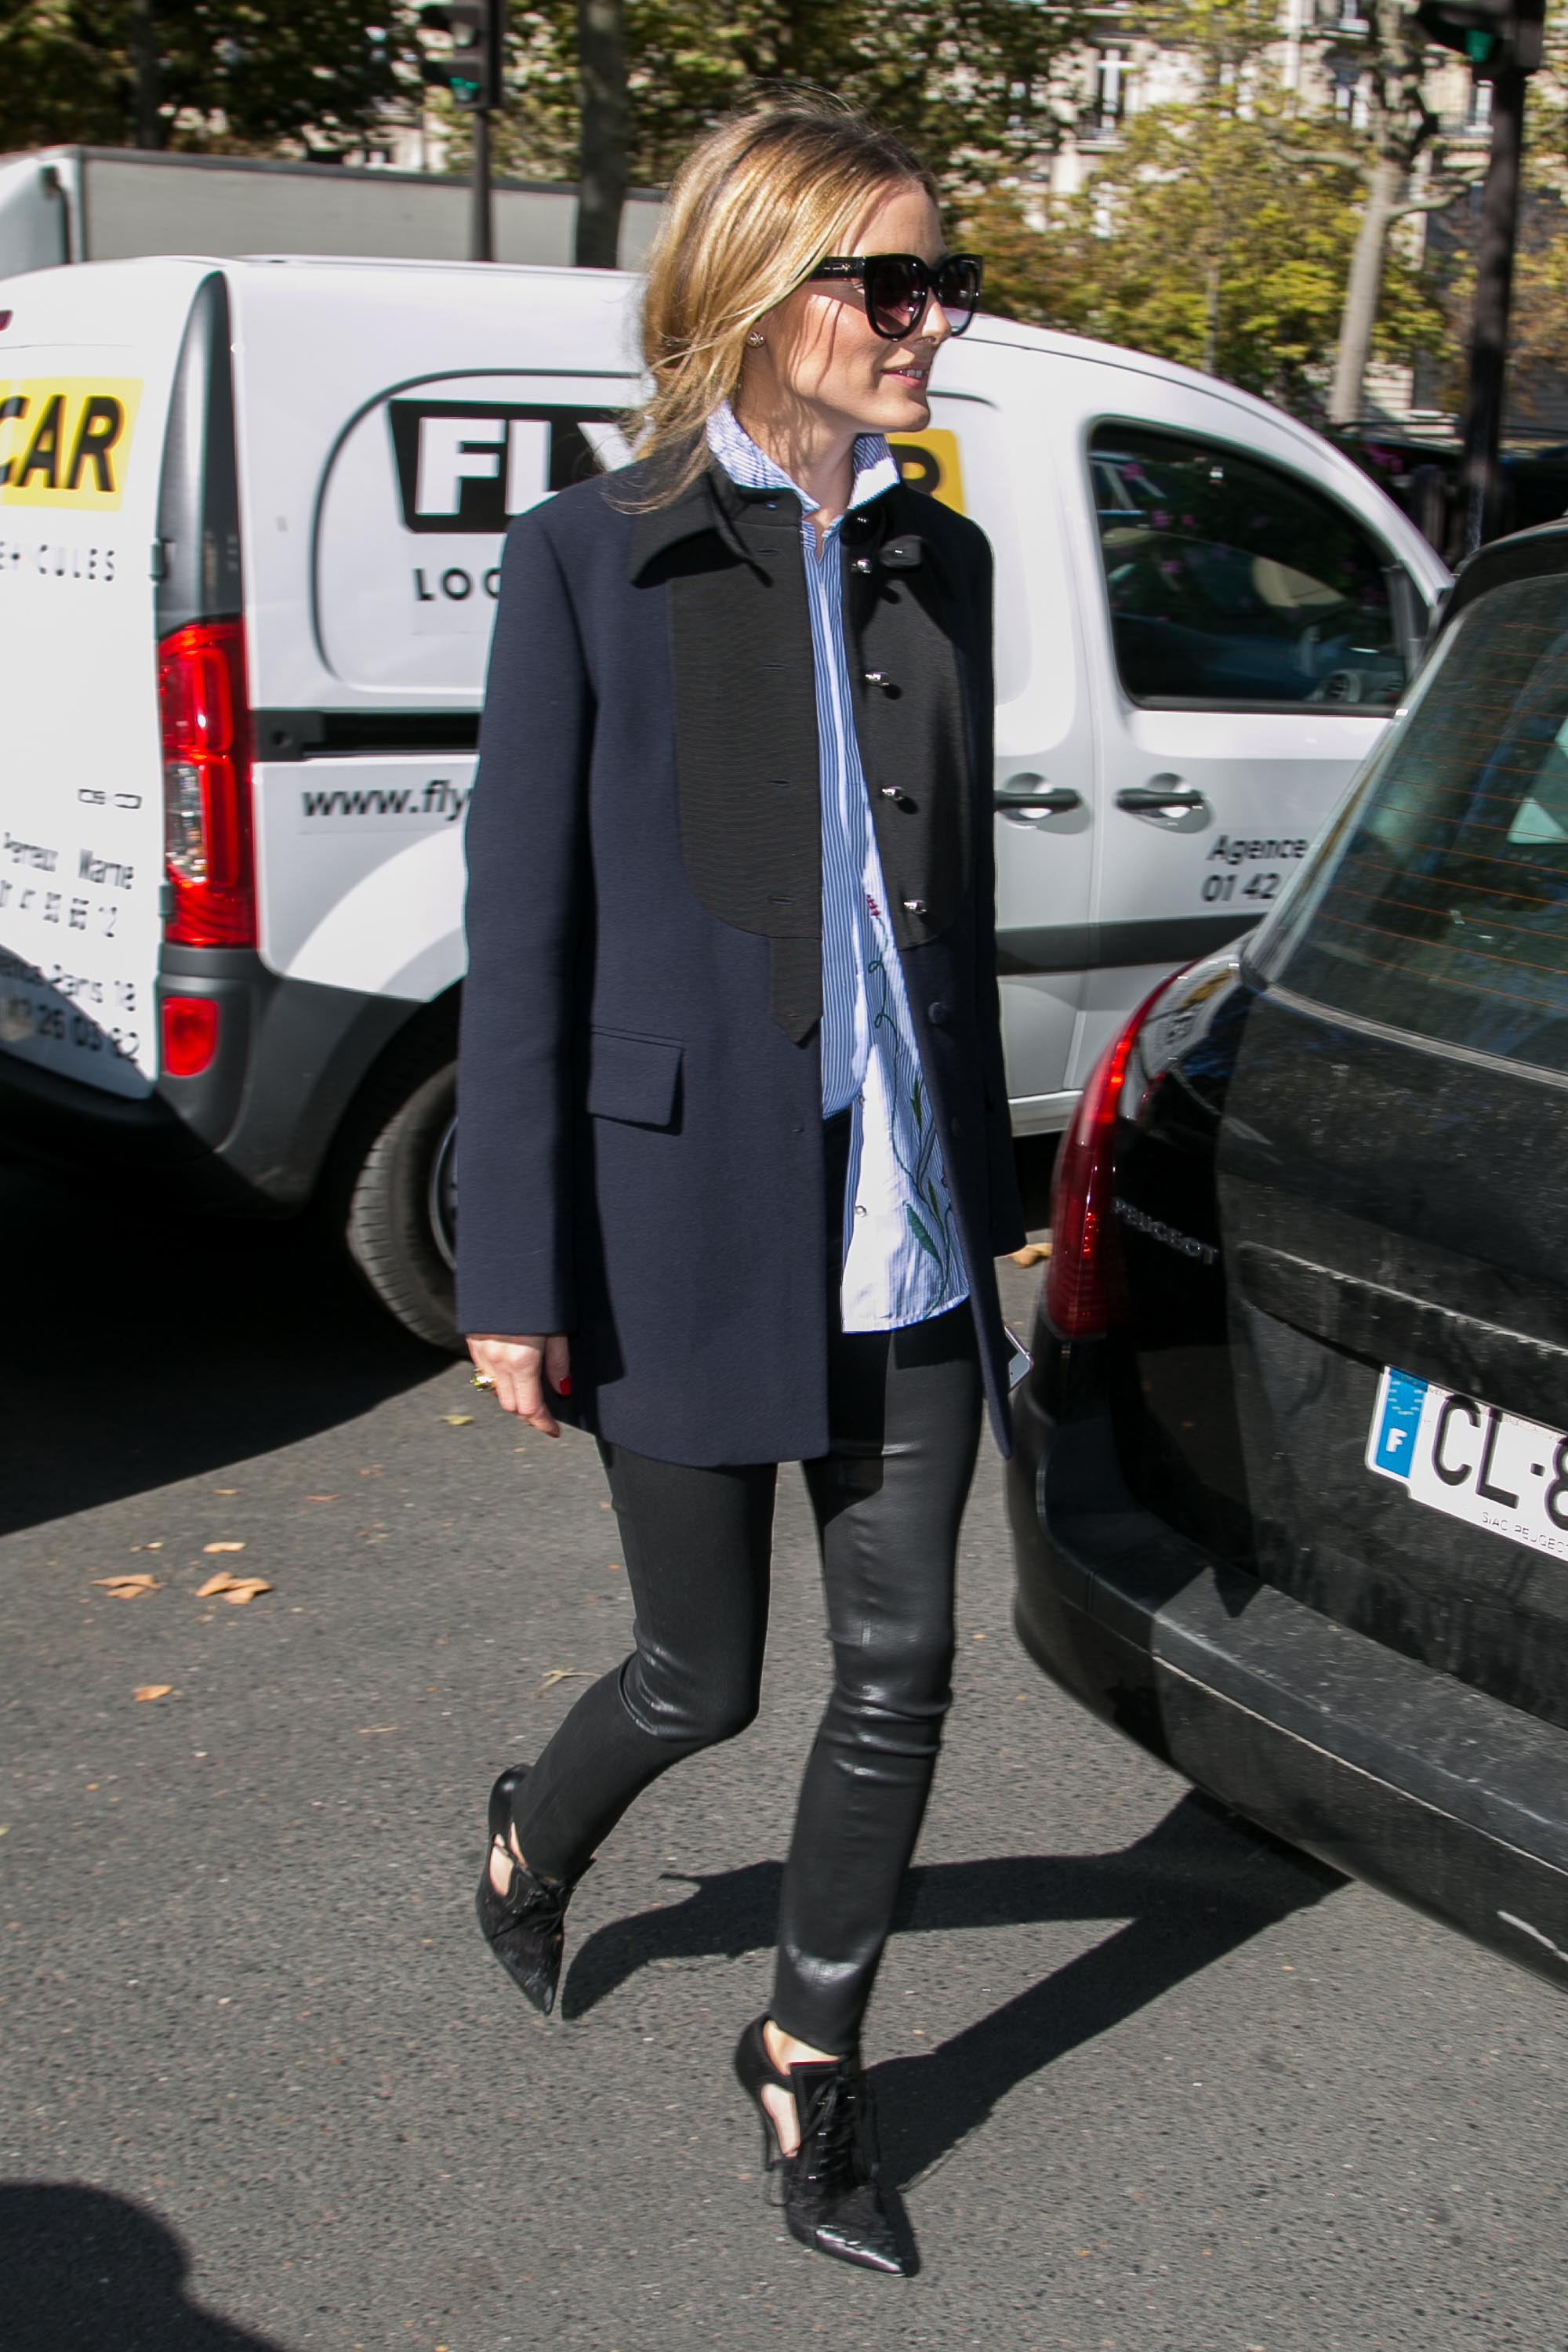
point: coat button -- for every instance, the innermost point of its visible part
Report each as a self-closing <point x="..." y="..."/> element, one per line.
<point x="936" y="1015"/>
<point x="861" y="564"/>
<point x="876" y="678"/>
<point x="914" y="905"/>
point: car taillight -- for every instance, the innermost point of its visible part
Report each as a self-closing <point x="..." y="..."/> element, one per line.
<point x="1077" y="1300"/>
<point x="190" y="1034"/>
<point x="205" y="716"/>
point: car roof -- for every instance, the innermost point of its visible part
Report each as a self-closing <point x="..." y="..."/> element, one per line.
<point x="1534" y="554"/>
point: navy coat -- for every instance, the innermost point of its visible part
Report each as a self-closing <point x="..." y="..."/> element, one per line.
<point x="639" y="1137"/>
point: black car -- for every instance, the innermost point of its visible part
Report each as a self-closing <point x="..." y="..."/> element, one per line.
<point x="1290" y="1497"/>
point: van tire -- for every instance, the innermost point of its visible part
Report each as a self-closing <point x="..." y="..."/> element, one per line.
<point x="388" y="1222"/>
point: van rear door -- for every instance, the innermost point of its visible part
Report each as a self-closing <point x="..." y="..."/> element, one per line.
<point x="87" y="360"/>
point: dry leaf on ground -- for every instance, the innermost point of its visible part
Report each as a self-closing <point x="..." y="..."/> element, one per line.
<point x="223" y="1547"/>
<point x="560" y="1674"/>
<point x="457" y="1420"/>
<point x="128" y="1587"/>
<point x="238" y="1588"/>
<point x="151" y="1690"/>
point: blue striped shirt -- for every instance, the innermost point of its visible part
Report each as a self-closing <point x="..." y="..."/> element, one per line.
<point x="902" y="1259"/>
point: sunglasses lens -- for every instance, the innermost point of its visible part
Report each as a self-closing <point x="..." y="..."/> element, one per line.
<point x="958" y="291"/>
<point x="895" y="299"/>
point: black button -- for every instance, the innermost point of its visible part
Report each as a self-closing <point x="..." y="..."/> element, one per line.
<point x="938" y="1015"/>
<point x="914" y="905"/>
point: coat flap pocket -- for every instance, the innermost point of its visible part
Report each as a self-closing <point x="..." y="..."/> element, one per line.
<point x="633" y="1078"/>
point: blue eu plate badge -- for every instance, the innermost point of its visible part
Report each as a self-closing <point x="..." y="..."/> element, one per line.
<point x="1472" y="1460"/>
<point x="1391" y="1446"/>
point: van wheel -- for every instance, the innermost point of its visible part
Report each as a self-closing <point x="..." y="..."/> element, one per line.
<point x="401" y="1223"/>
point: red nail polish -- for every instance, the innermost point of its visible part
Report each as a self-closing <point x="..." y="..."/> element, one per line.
<point x="563" y="1385"/>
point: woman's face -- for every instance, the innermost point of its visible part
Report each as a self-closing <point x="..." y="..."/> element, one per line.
<point x="820" y="351"/>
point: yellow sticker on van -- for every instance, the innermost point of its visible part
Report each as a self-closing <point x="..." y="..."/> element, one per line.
<point x="65" y="441"/>
<point x="929" y="461"/>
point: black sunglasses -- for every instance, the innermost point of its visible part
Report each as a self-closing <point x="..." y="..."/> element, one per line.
<point x="898" y="287"/>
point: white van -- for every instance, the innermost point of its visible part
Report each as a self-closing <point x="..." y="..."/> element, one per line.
<point x="251" y="518"/>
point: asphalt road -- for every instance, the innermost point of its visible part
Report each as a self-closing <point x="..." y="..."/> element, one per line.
<point x="1150" y="2083"/>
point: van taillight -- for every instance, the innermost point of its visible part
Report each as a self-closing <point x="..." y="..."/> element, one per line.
<point x="1077" y="1300"/>
<point x="206" y="785"/>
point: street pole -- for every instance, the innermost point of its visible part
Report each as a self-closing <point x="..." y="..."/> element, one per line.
<point x="1494" y="292"/>
<point x="481" y="239"/>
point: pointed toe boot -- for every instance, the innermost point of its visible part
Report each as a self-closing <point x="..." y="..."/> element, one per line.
<point x="834" y="2199"/>
<point x="524" y="1927"/>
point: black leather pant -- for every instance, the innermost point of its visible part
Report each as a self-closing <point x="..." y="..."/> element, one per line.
<point x="904" y="1415"/>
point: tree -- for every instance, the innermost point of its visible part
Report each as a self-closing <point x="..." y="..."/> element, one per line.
<point x="1385" y="63"/>
<point x="1217" y="236"/>
<point x="316" y="77"/>
<point x="605" y="103"/>
<point x="979" y="87"/>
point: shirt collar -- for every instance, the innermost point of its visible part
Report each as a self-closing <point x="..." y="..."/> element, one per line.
<point x="876" y="467"/>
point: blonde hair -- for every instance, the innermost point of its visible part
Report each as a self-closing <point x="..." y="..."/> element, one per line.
<point x="753" y="208"/>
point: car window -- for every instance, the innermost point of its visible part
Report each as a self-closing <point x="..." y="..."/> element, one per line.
<point x="1231" y="584"/>
<point x="1438" y="902"/>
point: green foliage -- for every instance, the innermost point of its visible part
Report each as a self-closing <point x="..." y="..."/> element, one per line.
<point x="247" y="76"/>
<point x="1218" y="239"/>
<point x="976" y="86"/>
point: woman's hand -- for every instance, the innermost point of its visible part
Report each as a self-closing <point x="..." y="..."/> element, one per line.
<point x="516" y="1364"/>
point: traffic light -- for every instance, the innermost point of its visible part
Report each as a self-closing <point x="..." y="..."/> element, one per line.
<point x="472" y="71"/>
<point x="1492" y="33"/>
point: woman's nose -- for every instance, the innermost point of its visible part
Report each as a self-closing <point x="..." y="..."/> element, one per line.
<point x="936" y="324"/>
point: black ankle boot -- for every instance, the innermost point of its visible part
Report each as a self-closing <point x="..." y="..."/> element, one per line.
<point x="833" y="2197"/>
<point x="524" y="1927"/>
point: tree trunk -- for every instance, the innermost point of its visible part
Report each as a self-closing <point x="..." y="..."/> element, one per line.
<point x="606" y="121"/>
<point x="1386" y="185"/>
<point x="1209" y="363"/>
<point x="148" y="123"/>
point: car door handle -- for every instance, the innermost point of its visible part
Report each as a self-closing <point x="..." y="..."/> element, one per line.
<point x="1051" y="800"/>
<point x="1163" y="792"/>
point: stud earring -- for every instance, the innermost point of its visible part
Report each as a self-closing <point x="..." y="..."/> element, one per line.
<point x="755" y="338"/>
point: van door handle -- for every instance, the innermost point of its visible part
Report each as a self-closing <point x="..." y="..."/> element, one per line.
<point x="1051" y="800"/>
<point x="1161" y="794"/>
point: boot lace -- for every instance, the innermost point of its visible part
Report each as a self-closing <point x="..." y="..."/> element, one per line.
<point x="834" y="2150"/>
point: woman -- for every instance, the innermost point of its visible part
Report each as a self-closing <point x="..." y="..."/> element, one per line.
<point x="734" y="1158"/>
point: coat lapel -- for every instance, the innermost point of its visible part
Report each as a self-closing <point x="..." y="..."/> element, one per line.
<point x="747" y="757"/>
<point x="746" y="751"/>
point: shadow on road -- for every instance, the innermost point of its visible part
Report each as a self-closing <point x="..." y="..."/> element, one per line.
<point x="142" y="1346"/>
<point x="1197" y="1887"/>
<point x="81" y="2270"/>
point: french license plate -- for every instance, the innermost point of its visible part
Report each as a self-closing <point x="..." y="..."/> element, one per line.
<point x="1472" y="1460"/>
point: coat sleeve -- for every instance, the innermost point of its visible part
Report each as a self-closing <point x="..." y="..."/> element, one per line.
<point x="526" y="843"/>
<point x="1007" y="1230"/>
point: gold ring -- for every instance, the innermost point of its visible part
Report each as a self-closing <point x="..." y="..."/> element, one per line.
<point x="480" y="1380"/>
